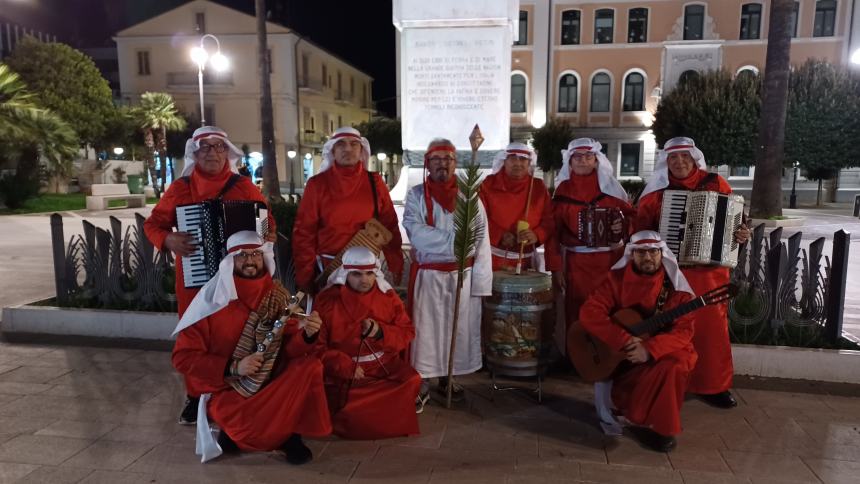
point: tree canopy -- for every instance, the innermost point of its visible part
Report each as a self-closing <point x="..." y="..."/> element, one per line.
<point x="549" y="140"/>
<point x="719" y="112"/>
<point x="383" y="134"/>
<point x="822" y="126"/>
<point x="67" y="82"/>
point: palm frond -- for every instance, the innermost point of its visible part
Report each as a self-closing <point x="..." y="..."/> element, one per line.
<point x="467" y="229"/>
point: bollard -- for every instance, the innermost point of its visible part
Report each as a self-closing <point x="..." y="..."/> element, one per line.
<point x="59" y="250"/>
<point x="857" y="205"/>
<point x="836" y="286"/>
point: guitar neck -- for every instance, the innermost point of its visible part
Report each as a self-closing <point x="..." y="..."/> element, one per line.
<point x="658" y="321"/>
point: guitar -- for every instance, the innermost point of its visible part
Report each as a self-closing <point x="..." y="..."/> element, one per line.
<point x="595" y="361"/>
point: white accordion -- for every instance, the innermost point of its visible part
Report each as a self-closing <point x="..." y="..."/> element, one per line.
<point x="699" y="227"/>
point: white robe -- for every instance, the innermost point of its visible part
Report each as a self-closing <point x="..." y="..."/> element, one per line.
<point x="433" y="299"/>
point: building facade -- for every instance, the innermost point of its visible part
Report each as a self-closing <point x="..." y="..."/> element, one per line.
<point x="313" y="91"/>
<point x="604" y="66"/>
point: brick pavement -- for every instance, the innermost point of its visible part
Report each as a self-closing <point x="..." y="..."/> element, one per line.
<point x="96" y="415"/>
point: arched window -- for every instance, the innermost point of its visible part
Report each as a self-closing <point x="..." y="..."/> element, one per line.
<point x="601" y="89"/>
<point x="570" y="27"/>
<point x="686" y="76"/>
<point x="750" y="21"/>
<point x="518" y="93"/>
<point x="634" y="92"/>
<point x="825" y="18"/>
<point x="604" y="26"/>
<point x="694" y="22"/>
<point x="747" y="72"/>
<point x="567" y="93"/>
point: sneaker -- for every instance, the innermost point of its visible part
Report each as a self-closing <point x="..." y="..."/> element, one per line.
<point x="226" y="443"/>
<point x="653" y="440"/>
<point x="189" y="412"/>
<point x="420" y="401"/>
<point x="458" y="393"/>
<point x="720" y="400"/>
<point x="296" y="451"/>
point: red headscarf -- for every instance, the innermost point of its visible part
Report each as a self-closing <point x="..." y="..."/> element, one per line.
<point x="513" y="185"/>
<point x="691" y="181"/>
<point x="205" y="186"/>
<point x="585" y="187"/>
<point x="641" y="290"/>
<point x="346" y="179"/>
<point x="445" y="193"/>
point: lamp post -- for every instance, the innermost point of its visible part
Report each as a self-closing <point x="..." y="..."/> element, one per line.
<point x="200" y="56"/>
<point x="792" y="200"/>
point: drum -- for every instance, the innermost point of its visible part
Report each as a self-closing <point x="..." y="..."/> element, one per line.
<point x="518" y="322"/>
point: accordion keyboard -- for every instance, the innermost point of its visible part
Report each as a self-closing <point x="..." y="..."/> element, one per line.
<point x="189" y="219"/>
<point x="674" y="220"/>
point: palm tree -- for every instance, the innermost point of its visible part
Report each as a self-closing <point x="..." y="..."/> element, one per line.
<point x="29" y="131"/>
<point x="156" y="114"/>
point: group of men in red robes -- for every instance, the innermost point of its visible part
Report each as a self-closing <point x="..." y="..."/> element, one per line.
<point x="353" y="352"/>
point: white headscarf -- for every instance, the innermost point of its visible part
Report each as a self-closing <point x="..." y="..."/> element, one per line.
<point x="359" y="259"/>
<point x="660" y="176"/>
<point x="221" y="289"/>
<point x="193" y="144"/>
<point x="339" y="134"/>
<point x="605" y="174"/>
<point x="517" y="149"/>
<point x="648" y="239"/>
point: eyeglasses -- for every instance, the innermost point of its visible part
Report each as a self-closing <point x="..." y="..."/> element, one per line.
<point x="647" y="252"/>
<point x="248" y="255"/>
<point x="440" y="159"/>
<point x="583" y="156"/>
<point x="219" y="148"/>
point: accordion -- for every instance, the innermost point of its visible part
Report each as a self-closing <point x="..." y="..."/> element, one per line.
<point x="594" y="226"/>
<point x="699" y="227"/>
<point x="211" y="223"/>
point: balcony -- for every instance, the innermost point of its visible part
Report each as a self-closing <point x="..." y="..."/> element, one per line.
<point x="312" y="138"/>
<point x="311" y="86"/>
<point x="344" y="99"/>
<point x="189" y="79"/>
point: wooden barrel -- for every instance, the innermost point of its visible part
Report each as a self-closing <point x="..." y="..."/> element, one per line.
<point x="518" y="322"/>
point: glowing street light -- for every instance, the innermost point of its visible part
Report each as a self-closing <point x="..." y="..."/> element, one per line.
<point x="855" y="57"/>
<point x="381" y="156"/>
<point x="118" y="150"/>
<point x="217" y="60"/>
<point x="291" y="154"/>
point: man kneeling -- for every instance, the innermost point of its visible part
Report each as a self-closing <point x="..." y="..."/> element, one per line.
<point x="260" y="368"/>
<point x="649" y="391"/>
<point x="371" y="388"/>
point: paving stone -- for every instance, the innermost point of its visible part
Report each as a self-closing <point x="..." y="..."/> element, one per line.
<point x="628" y="451"/>
<point x="787" y="468"/>
<point x="117" y="477"/>
<point x="142" y="433"/>
<point x="704" y="477"/>
<point x="832" y="433"/>
<point x="32" y="374"/>
<point x="41" y="449"/>
<point x="22" y="388"/>
<point x="79" y="430"/>
<point x="698" y="459"/>
<point x="108" y="455"/>
<point x="12" y="472"/>
<point x="624" y="474"/>
<point x="834" y="471"/>
<point x="55" y="475"/>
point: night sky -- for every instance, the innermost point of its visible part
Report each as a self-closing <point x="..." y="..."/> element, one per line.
<point x="358" y="31"/>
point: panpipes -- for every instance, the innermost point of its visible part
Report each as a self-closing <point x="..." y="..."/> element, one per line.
<point x="374" y="236"/>
<point x="211" y="223"/>
<point x="699" y="227"/>
<point x="595" y="223"/>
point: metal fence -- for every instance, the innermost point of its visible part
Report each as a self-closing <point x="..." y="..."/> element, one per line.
<point x="789" y="294"/>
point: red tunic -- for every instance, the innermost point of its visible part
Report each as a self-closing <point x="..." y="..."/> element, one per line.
<point x="382" y="404"/>
<point x="713" y="372"/>
<point x="505" y="202"/>
<point x="293" y="401"/>
<point x="335" y="205"/>
<point x="584" y="271"/>
<point x="162" y="220"/>
<point x="651" y="393"/>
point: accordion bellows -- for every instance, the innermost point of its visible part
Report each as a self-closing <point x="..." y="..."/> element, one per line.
<point x="699" y="227"/>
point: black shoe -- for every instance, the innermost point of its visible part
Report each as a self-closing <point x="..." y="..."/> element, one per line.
<point x="226" y="443"/>
<point x="653" y="440"/>
<point x="720" y="400"/>
<point x="297" y="452"/>
<point x="189" y="412"/>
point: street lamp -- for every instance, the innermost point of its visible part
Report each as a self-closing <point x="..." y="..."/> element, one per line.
<point x="291" y="154"/>
<point x="855" y="57"/>
<point x="792" y="200"/>
<point x="218" y="61"/>
<point x="118" y="151"/>
<point x="381" y="156"/>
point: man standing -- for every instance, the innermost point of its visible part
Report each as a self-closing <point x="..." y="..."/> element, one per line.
<point x="336" y="204"/>
<point x="371" y="388"/>
<point x="650" y="390"/>
<point x="260" y="369"/>
<point x="518" y="208"/>
<point x="429" y="220"/>
<point x="585" y="181"/>
<point x="681" y="166"/>
<point x="210" y="172"/>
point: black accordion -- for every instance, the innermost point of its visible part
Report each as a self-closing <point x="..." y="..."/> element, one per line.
<point x="211" y="223"/>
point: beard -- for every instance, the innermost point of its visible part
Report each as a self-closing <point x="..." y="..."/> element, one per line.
<point x="249" y="271"/>
<point x="646" y="268"/>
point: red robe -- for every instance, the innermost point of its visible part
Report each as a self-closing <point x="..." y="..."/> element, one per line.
<point x="583" y="271"/>
<point x="382" y="404"/>
<point x="713" y="372"/>
<point x="335" y="205"/>
<point x="505" y="202"/>
<point x="292" y="401"/>
<point x="200" y="187"/>
<point x="648" y="394"/>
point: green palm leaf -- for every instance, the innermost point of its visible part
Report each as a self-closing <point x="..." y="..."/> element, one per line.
<point x="467" y="229"/>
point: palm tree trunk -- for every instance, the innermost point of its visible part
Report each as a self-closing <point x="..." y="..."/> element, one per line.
<point x="271" y="186"/>
<point x="162" y="155"/>
<point x="767" y="186"/>
<point x="149" y="142"/>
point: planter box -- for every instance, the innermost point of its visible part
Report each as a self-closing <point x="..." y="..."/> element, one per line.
<point x="838" y="366"/>
<point x="97" y="323"/>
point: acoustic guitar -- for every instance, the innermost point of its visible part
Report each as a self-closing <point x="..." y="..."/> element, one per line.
<point x="595" y="361"/>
